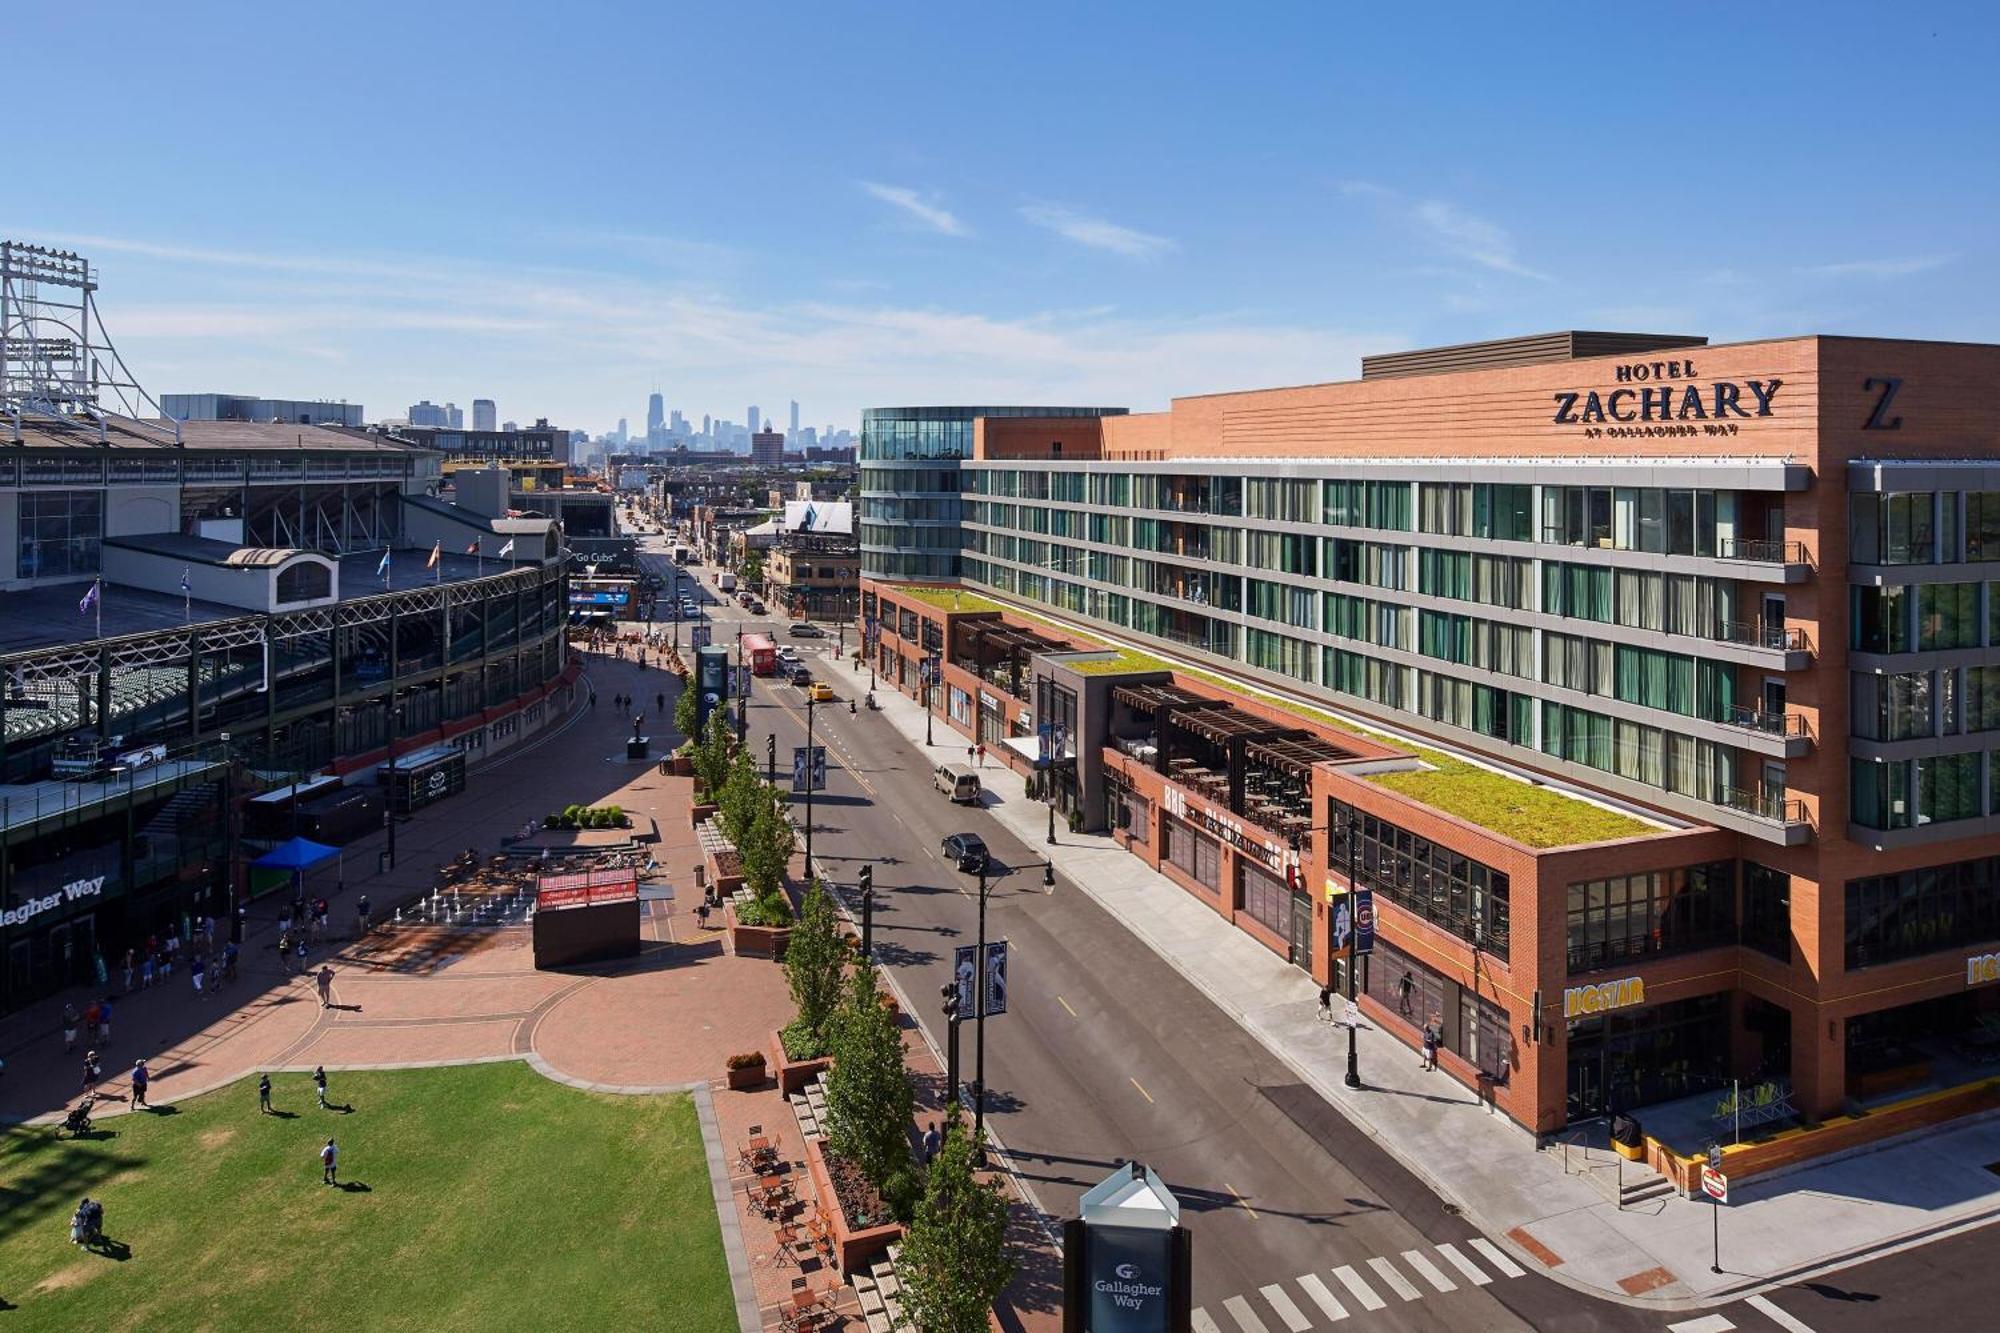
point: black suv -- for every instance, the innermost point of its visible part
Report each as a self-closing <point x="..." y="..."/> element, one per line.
<point x="801" y="676"/>
<point x="967" y="851"/>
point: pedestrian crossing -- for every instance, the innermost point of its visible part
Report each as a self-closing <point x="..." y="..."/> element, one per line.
<point x="1720" y="1323"/>
<point x="1314" y="1300"/>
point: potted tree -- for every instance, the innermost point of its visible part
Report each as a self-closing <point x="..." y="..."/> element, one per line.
<point x="746" y="1070"/>
<point x="863" y="1170"/>
<point x="815" y="964"/>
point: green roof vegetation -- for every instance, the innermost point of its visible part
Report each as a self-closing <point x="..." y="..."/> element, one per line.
<point x="1534" y="816"/>
<point x="946" y="599"/>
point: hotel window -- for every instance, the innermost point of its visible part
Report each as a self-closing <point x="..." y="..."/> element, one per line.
<point x="1445" y="508"/>
<point x="1627" y="917"/>
<point x="1444" y="573"/>
<point x="1277" y="498"/>
<point x="1283" y="603"/>
<point x="1585" y="665"/>
<point x="1581" y="592"/>
<point x="1922" y="911"/>
<point x="1373" y="563"/>
<point x="1367" y="504"/>
<point x="1892" y="529"/>
<point x="1982" y="698"/>
<point x="60" y="533"/>
<point x="1891" y="707"/>
<point x="1982" y="525"/>
<point x="1947" y="616"/>
<point x="1880" y="619"/>
<point x="1767" y="911"/>
<point x="1363" y="677"/>
<point x="1280" y="653"/>
<point x="1424" y="878"/>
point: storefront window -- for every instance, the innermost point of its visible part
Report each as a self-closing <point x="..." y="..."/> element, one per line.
<point x="1922" y="911"/>
<point x="1473" y="1027"/>
<point x="1632" y="1058"/>
<point x="1615" y="920"/>
<point x="1443" y="887"/>
<point x="60" y="533"/>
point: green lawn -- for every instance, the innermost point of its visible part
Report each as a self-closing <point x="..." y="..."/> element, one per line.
<point x="493" y="1199"/>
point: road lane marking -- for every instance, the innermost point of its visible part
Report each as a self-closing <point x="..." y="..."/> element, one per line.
<point x="1428" y="1271"/>
<point x="1202" y="1323"/>
<point x="1295" y="1321"/>
<point x="1246" y="1318"/>
<point x="1708" y="1323"/>
<point x="1389" y="1273"/>
<point x="1784" y="1319"/>
<point x="1065" y="1004"/>
<point x="1241" y="1202"/>
<point x="1473" y="1272"/>
<point x="1360" y="1289"/>
<point x="1324" y="1299"/>
<point x="1142" y="1091"/>
<point x="1498" y="1257"/>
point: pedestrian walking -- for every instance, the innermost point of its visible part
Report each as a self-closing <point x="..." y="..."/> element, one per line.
<point x="229" y="952"/>
<point x="1326" y="1004"/>
<point x="198" y="974"/>
<point x="982" y="755"/>
<point x="329" y="1161"/>
<point x="92" y="1071"/>
<point x="319" y="1084"/>
<point x="1404" y="985"/>
<point x="325" y="985"/>
<point x="146" y="972"/>
<point x="104" y="1021"/>
<point x="131" y="968"/>
<point x="140" y="1078"/>
<point x="90" y="1013"/>
<point x="361" y="913"/>
<point x="285" y="952"/>
<point x="70" y="1019"/>
<point x="932" y="1142"/>
<point x="1430" y="1062"/>
<point x="299" y="951"/>
<point x="264" y="1094"/>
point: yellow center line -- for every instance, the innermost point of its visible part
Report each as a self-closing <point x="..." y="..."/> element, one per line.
<point x="1135" y="1083"/>
<point x="1065" y="1004"/>
<point x="1240" y="1201"/>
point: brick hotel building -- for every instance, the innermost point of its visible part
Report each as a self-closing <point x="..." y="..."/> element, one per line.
<point x="1653" y="688"/>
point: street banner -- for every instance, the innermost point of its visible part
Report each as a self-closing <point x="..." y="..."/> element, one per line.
<point x="962" y="972"/>
<point x="996" y="977"/>
<point x="698" y="635"/>
<point x="1364" y="921"/>
<point x="799" y="779"/>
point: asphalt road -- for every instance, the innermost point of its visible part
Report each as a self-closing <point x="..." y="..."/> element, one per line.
<point x="1109" y="1055"/>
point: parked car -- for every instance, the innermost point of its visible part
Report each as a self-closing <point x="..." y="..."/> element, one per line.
<point x="756" y="607"/>
<point x="820" y="693"/>
<point x="805" y="629"/>
<point x="801" y="677"/>
<point x="961" y="785"/>
<point x="966" y="851"/>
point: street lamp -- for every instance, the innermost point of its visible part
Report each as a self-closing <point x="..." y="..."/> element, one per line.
<point x="742" y="695"/>
<point x="809" y="783"/>
<point x="771" y="759"/>
<point x="1353" y="1076"/>
<point x="979" y="1017"/>
<point x="928" y="684"/>
<point x="949" y="993"/>
<point x="229" y="836"/>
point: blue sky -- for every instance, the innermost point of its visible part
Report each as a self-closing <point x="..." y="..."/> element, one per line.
<point x="561" y="206"/>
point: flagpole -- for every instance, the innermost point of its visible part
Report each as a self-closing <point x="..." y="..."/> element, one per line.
<point x="97" y="605"/>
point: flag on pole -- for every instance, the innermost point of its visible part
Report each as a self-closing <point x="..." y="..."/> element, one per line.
<point x="437" y="553"/>
<point x="472" y="547"/>
<point x="89" y="598"/>
<point x="187" y="582"/>
<point x="508" y="549"/>
<point x="383" y="568"/>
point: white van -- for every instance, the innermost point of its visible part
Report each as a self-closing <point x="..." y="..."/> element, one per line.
<point x="957" y="783"/>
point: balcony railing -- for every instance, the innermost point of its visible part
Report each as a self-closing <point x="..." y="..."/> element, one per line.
<point x="1771" y="724"/>
<point x="1764" y="804"/>
<point x="1757" y="634"/>
<point x="1764" y="550"/>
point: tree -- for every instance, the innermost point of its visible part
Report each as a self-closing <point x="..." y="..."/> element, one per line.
<point x="753" y="568"/>
<point x="741" y="797"/>
<point x="815" y="963"/>
<point x="765" y="852"/>
<point x="711" y="755"/>
<point x="686" y="710"/>
<point x="869" y="1102"/>
<point x="955" y="1260"/>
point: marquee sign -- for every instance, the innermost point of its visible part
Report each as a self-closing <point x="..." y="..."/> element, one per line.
<point x="589" y="888"/>
<point x="1582" y="1001"/>
<point x="1223" y="827"/>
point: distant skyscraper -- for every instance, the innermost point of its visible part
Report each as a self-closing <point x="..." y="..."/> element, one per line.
<point x="656" y="413"/>
<point x="707" y="425"/>
<point x="428" y="413"/>
<point x="508" y="425"/>
<point x="621" y="430"/>
<point x="755" y="418"/>
<point x="767" y="446"/>
<point x="484" y="415"/>
<point x="795" y="417"/>
<point x="676" y="423"/>
<point x="454" y="416"/>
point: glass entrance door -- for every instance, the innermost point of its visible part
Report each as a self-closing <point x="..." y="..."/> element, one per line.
<point x="1301" y="933"/>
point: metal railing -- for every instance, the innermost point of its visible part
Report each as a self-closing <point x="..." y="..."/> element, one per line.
<point x="1764" y="550"/>
<point x="1771" y="724"/>
<point x="1757" y="634"/>
<point x="1763" y="804"/>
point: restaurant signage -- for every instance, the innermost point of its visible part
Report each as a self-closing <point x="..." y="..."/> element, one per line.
<point x="590" y="888"/>
<point x="34" y="907"/>
<point x="1223" y="827"/>
<point x="1582" y="1001"/>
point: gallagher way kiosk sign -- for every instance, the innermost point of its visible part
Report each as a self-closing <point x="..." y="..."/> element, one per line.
<point x="1128" y="1263"/>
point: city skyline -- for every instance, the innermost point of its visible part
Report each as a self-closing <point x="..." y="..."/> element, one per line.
<point x="1121" y="245"/>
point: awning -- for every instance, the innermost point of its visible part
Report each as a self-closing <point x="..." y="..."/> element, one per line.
<point x="298" y="854"/>
<point x="1028" y="747"/>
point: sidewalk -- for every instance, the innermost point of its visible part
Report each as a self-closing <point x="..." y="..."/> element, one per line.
<point x="1654" y="1253"/>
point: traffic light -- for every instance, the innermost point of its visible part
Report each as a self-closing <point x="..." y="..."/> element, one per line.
<point x="868" y="879"/>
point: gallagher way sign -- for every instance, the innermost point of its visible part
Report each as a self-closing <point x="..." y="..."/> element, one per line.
<point x="1127" y="1260"/>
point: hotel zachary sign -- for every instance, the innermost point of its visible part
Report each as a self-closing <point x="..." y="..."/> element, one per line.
<point x="1664" y="399"/>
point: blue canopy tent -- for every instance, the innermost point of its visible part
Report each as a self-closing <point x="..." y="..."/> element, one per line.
<point x="287" y="863"/>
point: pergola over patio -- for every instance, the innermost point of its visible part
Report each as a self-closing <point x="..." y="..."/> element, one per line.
<point x="998" y="653"/>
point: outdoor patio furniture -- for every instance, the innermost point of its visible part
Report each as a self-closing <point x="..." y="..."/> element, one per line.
<point x="808" y="1308"/>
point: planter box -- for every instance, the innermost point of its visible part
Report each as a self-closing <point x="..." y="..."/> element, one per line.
<point x="853" y="1247"/>
<point x="755" y="941"/>
<point x="795" y="1075"/>
<point x="748" y="1078"/>
<point x="681" y="766"/>
<point x="700" y="813"/>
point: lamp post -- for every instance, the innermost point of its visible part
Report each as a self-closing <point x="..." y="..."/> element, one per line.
<point x="229" y="837"/>
<point x="389" y="806"/>
<point x="771" y="759"/>
<point x="809" y="783"/>
<point x="979" y="1013"/>
<point x="868" y="913"/>
<point x="743" y="695"/>
<point x="1353" y="1076"/>
<point x="928" y="684"/>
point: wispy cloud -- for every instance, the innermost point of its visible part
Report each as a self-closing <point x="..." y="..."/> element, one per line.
<point x="1459" y="233"/>
<point x="931" y="215"/>
<point x="1097" y="233"/>
<point x="1880" y="268"/>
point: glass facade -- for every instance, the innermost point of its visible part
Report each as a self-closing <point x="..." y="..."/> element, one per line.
<point x="61" y="532"/>
<point x="1922" y="911"/>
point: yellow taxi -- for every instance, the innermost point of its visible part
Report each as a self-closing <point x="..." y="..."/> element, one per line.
<point x="820" y="693"/>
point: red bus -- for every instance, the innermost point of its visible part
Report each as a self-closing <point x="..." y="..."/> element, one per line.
<point x="761" y="654"/>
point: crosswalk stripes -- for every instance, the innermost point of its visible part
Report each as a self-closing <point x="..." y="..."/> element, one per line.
<point x="1708" y="1323"/>
<point x="1295" y="1322"/>
<point x="1784" y="1319"/>
<point x="1354" y="1282"/>
<point x="1328" y="1303"/>
<point x="1496" y="1257"/>
<point x="1282" y="1312"/>
<point x="1428" y="1271"/>
<point x="1397" y="1282"/>
<point x="1473" y="1272"/>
